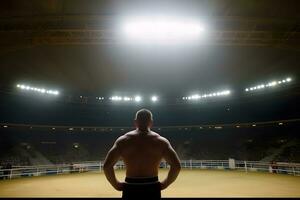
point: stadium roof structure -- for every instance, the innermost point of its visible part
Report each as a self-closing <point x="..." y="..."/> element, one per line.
<point x="75" y="46"/>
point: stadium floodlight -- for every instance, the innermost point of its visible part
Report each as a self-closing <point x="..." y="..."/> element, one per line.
<point x="127" y="99"/>
<point x="116" y="98"/>
<point x="159" y="28"/>
<point x="55" y="92"/>
<point x="273" y="83"/>
<point x="154" y="98"/>
<point x="270" y="84"/>
<point x="137" y="98"/>
<point x="214" y="94"/>
<point x="40" y="90"/>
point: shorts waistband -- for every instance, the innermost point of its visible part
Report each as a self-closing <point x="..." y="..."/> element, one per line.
<point x="141" y="179"/>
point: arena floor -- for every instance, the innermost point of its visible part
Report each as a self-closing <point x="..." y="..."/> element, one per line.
<point x="190" y="183"/>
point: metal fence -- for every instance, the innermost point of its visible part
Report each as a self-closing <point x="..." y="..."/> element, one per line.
<point x="88" y="166"/>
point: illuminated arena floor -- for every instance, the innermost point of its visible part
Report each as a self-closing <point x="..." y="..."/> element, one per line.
<point x="190" y="183"/>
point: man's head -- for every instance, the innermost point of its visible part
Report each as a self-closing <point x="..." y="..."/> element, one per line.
<point x="143" y="119"/>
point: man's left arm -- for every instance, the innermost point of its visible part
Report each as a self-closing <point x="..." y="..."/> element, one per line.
<point x="108" y="167"/>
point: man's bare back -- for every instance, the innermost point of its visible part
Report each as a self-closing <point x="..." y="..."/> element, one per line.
<point x="142" y="152"/>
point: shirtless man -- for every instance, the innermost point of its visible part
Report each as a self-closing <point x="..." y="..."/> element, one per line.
<point x="142" y="151"/>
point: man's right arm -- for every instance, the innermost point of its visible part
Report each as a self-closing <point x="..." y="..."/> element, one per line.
<point x="110" y="160"/>
<point x="172" y="159"/>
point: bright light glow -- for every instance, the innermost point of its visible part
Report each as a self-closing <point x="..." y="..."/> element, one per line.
<point x="270" y="84"/>
<point x="40" y="90"/>
<point x="254" y="125"/>
<point x="127" y="99"/>
<point x="137" y="98"/>
<point x="154" y="98"/>
<point x="214" y="94"/>
<point x="280" y="123"/>
<point x="5" y="126"/>
<point x="116" y="98"/>
<point x="160" y="28"/>
<point x="119" y="98"/>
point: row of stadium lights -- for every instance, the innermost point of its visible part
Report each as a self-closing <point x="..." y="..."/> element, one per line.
<point x="271" y="84"/>
<point x="122" y="129"/>
<point x="197" y="96"/>
<point x="136" y="98"/>
<point x="155" y="98"/>
<point x="39" y="90"/>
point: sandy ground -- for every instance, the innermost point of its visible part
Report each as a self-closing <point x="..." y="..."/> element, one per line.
<point x="190" y="183"/>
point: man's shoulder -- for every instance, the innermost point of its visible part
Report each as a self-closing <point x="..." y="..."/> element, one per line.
<point x="132" y="134"/>
<point x="129" y="134"/>
<point x="125" y="137"/>
<point x="160" y="138"/>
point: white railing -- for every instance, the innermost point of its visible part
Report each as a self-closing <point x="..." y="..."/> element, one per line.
<point x="247" y="166"/>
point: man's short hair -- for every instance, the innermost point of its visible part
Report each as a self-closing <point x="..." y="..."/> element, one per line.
<point x="143" y="115"/>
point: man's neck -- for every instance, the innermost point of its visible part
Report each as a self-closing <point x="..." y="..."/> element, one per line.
<point x="143" y="130"/>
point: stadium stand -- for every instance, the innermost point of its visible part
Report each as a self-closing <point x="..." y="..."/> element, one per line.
<point x="265" y="143"/>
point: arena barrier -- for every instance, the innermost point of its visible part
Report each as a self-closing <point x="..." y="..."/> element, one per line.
<point x="97" y="166"/>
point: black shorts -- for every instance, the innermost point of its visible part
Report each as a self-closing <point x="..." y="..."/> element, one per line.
<point x="141" y="188"/>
